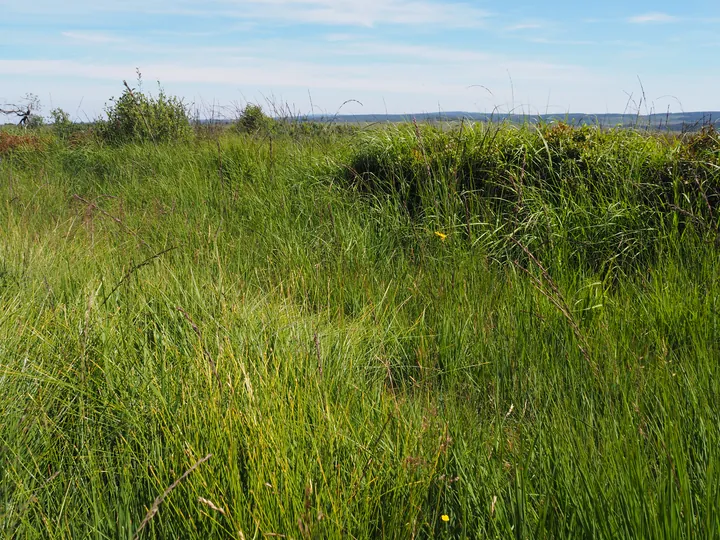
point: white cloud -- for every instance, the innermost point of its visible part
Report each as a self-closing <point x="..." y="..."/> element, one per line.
<point x="398" y="87"/>
<point x="93" y="37"/>
<point x="261" y="72"/>
<point x="339" y="37"/>
<point x="366" y="13"/>
<point x="388" y="51"/>
<point x="654" y="17"/>
<point x="524" y="26"/>
<point x="451" y="75"/>
<point x="562" y="41"/>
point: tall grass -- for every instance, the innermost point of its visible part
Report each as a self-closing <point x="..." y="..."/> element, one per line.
<point x="545" y="367"/>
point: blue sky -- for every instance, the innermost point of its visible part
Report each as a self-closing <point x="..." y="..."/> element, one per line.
<point x="397" y="56"/>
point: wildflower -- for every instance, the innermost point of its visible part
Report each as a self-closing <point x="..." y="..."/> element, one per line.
<point x="445" y="517"/>
<point x="440" y="235"/>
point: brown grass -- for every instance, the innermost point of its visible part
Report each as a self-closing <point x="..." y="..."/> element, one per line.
<point x="10" y="142"/>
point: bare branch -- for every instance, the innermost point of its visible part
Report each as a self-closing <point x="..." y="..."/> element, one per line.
<point x="25" y="111"/>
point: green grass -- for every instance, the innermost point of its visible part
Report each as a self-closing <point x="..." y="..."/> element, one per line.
<point x="548" y="370"/>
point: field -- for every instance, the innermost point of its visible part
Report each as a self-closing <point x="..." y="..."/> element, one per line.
<point x="489" y="331"/>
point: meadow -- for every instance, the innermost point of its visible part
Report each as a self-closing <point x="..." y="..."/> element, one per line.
<point x="401" y="331"/>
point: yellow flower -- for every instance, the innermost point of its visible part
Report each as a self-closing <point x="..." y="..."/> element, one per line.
<point x="445" y="517"/>
<point x="442" y="236"/>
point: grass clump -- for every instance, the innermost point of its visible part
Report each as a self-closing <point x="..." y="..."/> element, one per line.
<point x="400" y="332"/>
<point x="594" y="198"/>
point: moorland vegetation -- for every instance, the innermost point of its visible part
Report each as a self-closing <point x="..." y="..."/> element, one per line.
<point x="303" y="330"/>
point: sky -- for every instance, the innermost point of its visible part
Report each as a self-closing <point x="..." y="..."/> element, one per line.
<point x="366" y="56"/>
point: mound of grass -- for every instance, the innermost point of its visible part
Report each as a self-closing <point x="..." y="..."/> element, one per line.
<point x="604" y="199"/>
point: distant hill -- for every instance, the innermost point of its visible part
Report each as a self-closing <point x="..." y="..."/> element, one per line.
<point x="686" y="121"/>
<point x="689" y="121"/>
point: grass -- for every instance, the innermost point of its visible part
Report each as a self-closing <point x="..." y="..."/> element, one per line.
<point x="547" y="369"/>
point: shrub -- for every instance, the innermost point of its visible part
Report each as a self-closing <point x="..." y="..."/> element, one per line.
<point x="35" y="121"/>
<point x="254" y="120"/>
<point x="137" y="117"/>
<point x="61" y="124"/>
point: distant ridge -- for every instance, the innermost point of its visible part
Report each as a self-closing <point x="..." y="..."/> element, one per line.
<point x="688" y="121"/>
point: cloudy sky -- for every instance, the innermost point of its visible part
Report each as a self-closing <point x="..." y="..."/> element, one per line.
<point x="397" y="56"/>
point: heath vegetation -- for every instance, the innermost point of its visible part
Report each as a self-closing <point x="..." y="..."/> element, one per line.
<point x="287" y="329"/>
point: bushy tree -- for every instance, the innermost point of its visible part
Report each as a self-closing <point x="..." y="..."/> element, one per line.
<point x="35" y="121"/>
<point x="253" y="120"/>
<point x="61" y="123"/>
<point x="137" y="117"/>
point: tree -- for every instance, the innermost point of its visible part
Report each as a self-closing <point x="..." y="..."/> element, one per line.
<point x="26" y="111"/>
<point x="253" y="119"/>
<point x="61" y="123"/>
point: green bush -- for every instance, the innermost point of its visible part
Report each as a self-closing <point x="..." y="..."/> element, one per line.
<point x="137" y="117"/>
<point x="254" y="120"/>
<point x="35" y="121"/>
<point x="61" y="124"/>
